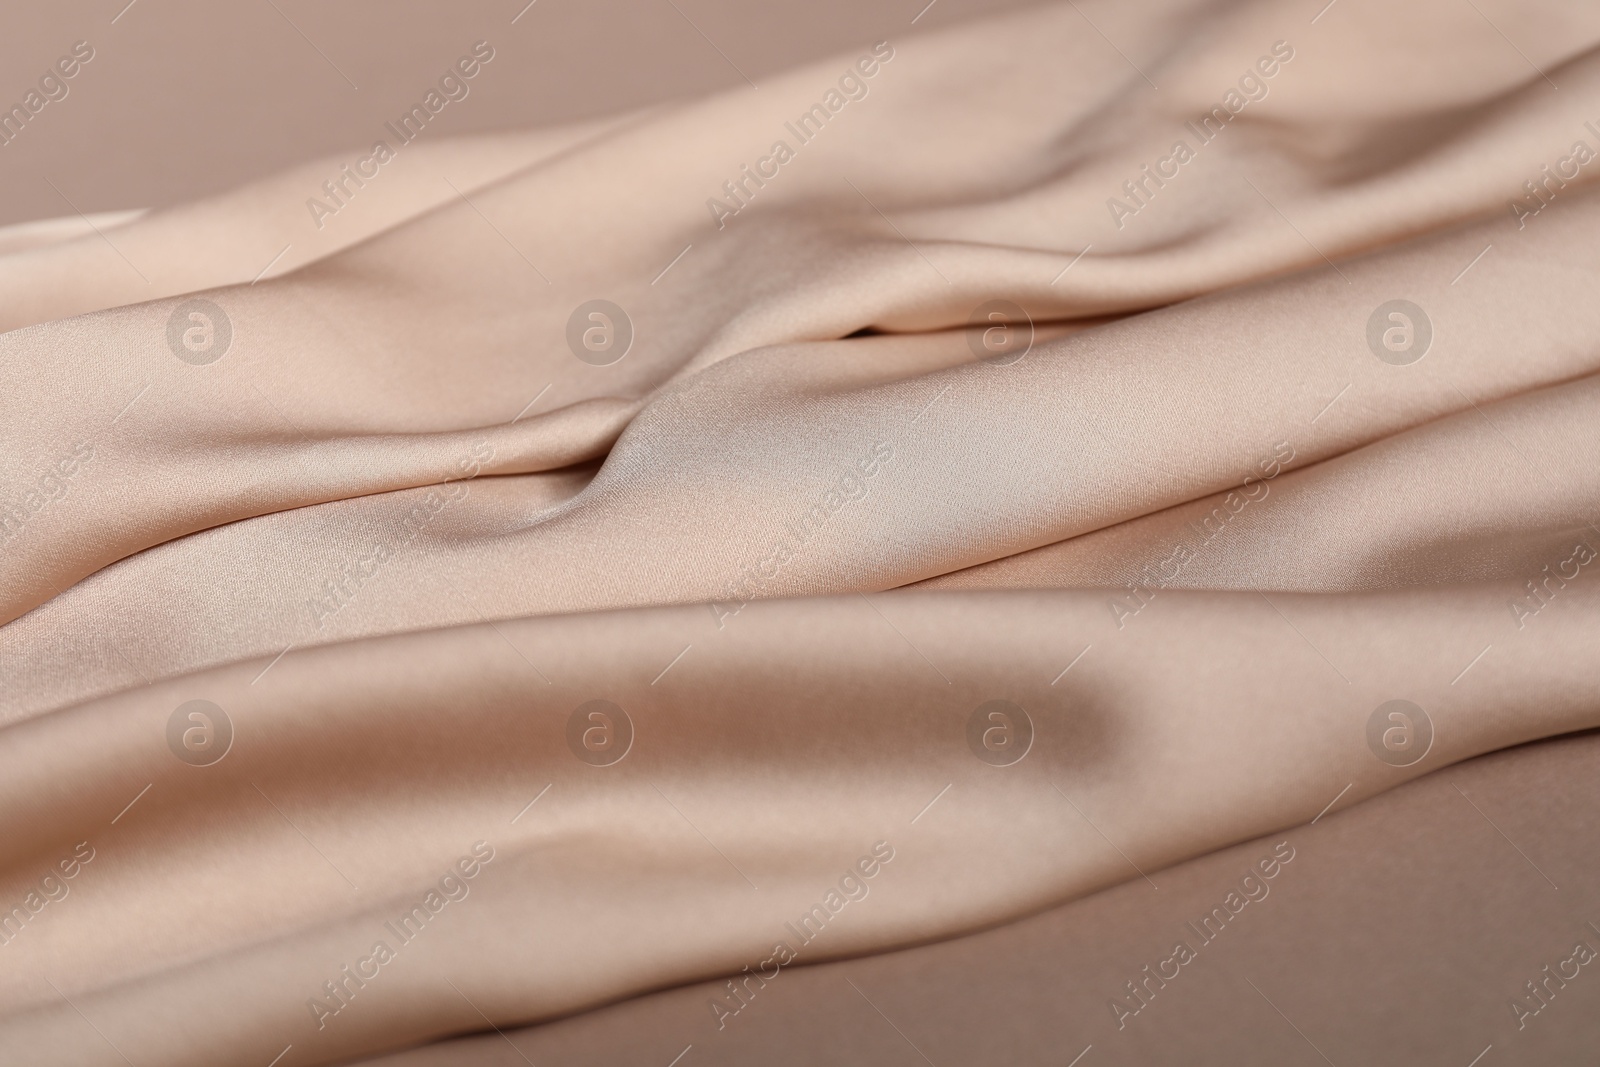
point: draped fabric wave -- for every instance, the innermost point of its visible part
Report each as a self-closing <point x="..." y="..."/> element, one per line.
<point x="1278" y="426"/>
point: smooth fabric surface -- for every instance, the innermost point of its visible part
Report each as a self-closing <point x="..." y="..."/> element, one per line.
<point x="1400" y="932"/>
<point x="398" y="528"/>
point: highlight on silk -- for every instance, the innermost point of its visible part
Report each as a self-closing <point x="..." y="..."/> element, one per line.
<point x="1032" y="533"/>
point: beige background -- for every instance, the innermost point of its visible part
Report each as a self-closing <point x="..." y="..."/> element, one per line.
<point x="186" y="97"/>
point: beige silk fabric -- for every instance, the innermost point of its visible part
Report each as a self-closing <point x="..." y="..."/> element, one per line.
<point x="400" y="534"/>
<point x="1397" y="934"/>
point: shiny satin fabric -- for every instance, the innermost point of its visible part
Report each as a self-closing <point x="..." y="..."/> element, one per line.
<point x="1282" y="430"/>
<point x="1404" y="930"/>
<point x="734" y="776"/>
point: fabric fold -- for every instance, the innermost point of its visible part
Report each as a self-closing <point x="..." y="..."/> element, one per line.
<point x="487" y="603"/>
<point x="756" y="763"/>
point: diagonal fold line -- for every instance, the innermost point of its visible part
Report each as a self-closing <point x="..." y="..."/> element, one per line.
<point x="1104" y="838"/>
